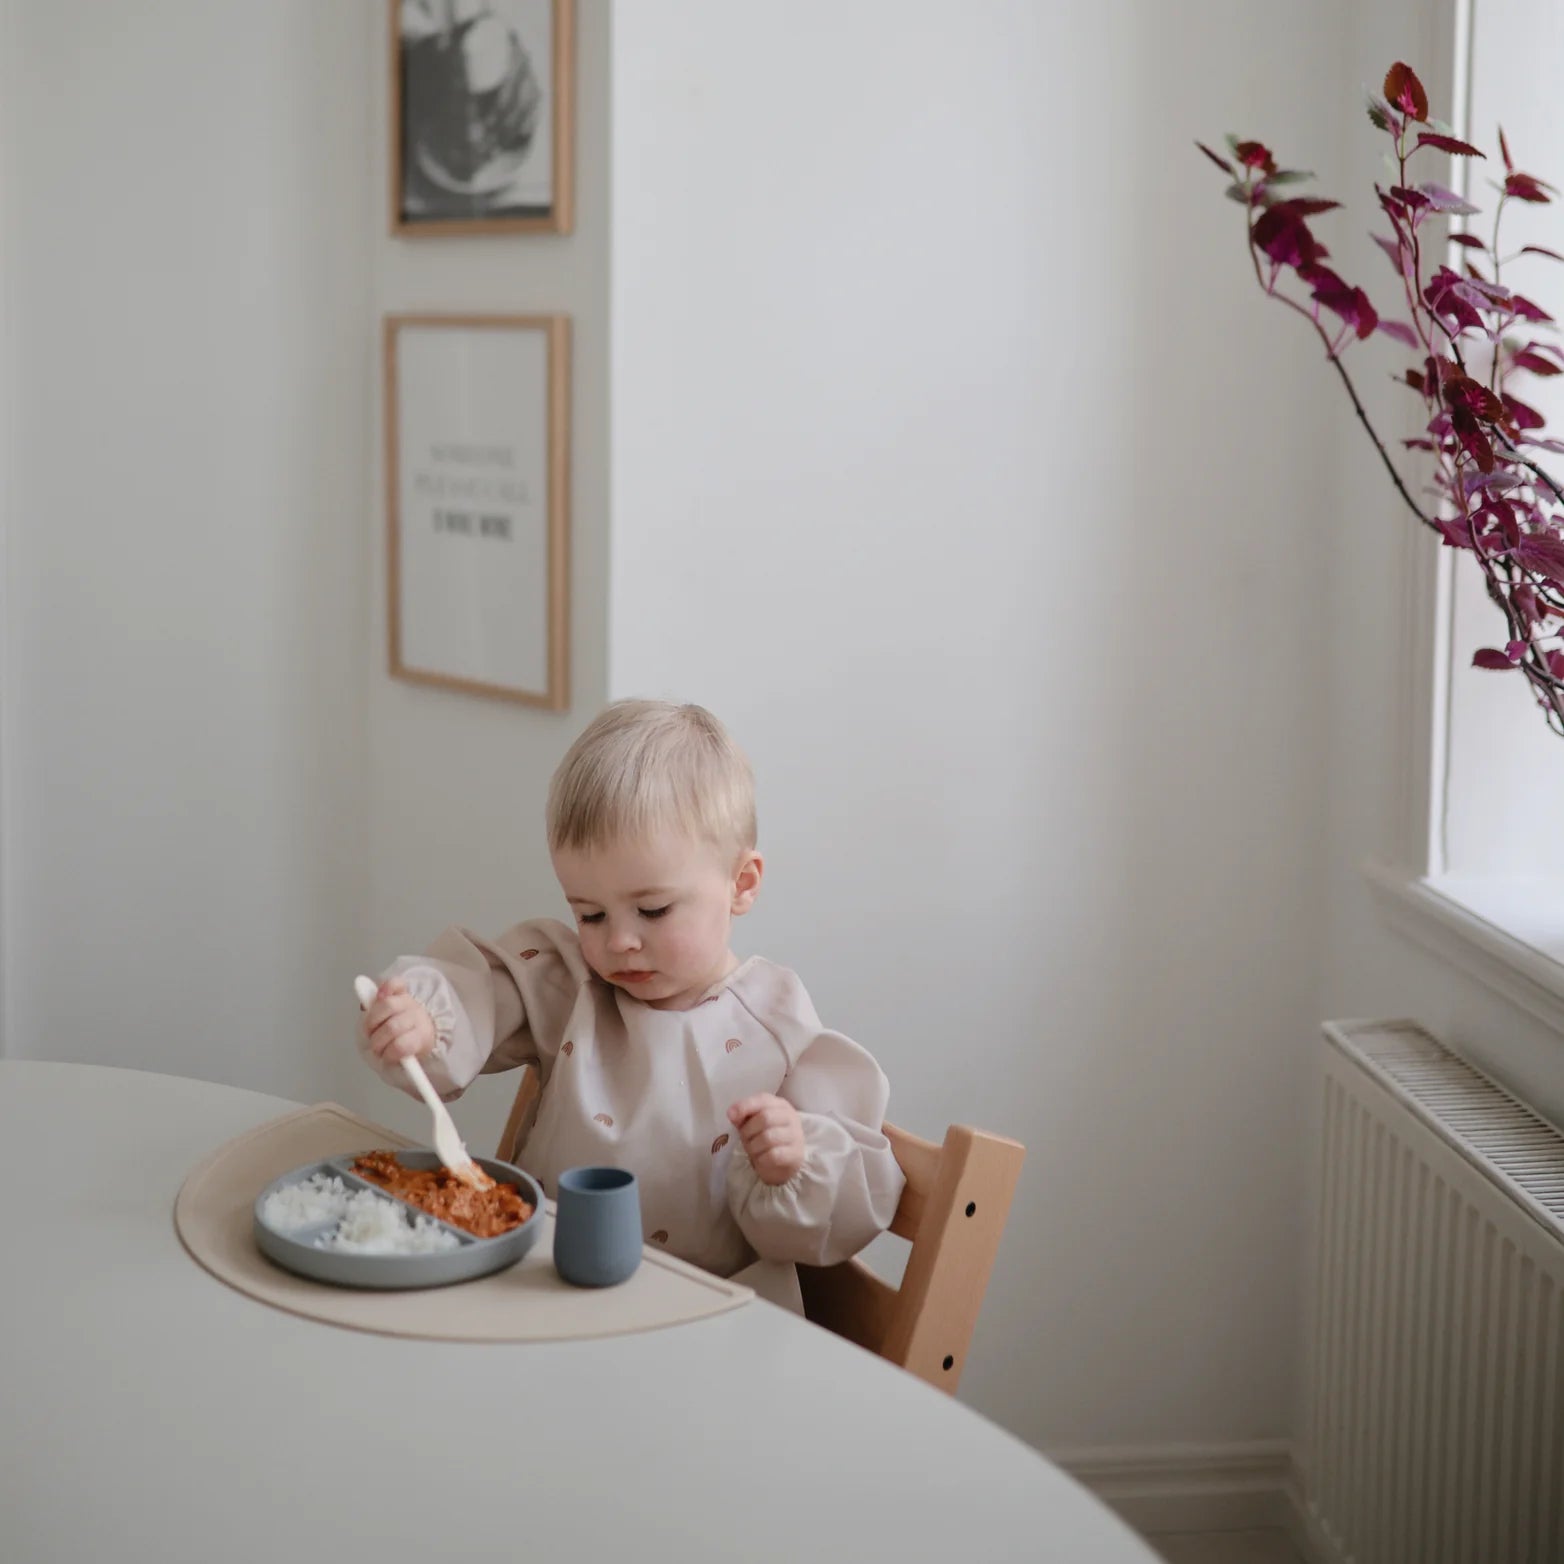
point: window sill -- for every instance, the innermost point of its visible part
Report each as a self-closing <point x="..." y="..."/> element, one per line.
<point x="1508" y="933"/>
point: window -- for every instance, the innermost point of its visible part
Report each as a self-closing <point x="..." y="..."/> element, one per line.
<point x="1495" y="860"/>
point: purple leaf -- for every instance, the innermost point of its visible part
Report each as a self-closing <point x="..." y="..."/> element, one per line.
<point x="1542" y="556"/>
<point x="1488" y="658"/>
<point x="1285" y="237"/>
<point x="1306" y="206"/>
<point x="1490" y="482"/>
<point x="1524" y="307"/>
<point x="1538" y="249"/>
<point x="1478" y="293"/>
<point x="1448" y="144"/>
<point x="1473" y="440"/>
<point x="1443" y="200"/>
<point x="1524" y="188"/>
<point x="1400" y="331"/>
<point x="1450" y="295"/>
<point x="1399" y="259"/>
<point x="1522" y="416"/>
<point x="1221" y="162"/>
<point x="1352" y="304"/>
<point x="1405" y="91"/>
<point x="1535" y="362"/>
<point x="1484" y="294"/>
<point x="1463" y="394"/>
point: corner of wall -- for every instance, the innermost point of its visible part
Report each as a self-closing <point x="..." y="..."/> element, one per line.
<point x="6" y="445"/>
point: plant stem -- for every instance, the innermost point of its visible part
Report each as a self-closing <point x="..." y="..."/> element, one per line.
<point x="1384" y="455"/>
<point x="1531" y="466"/>
<point x="1341" y="369"/>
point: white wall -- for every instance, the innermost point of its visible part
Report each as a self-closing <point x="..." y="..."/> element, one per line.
<point x="954" y="465"/>
<point x="456" y="784"/>
<point x="187" y="226"/>
<point x="7" y="444"/>
<point x="218" y="806"/>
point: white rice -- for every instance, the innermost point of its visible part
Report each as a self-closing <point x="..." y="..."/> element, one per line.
<point x="374" y="1225"/>
<point x="319" y="1198"/>
<point x="366" y="1222"/>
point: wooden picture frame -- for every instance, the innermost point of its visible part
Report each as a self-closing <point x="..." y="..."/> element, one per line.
<point x="482" y="120"/>
<point x="477" y="466"/>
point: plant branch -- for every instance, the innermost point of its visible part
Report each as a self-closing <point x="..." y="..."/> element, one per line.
<point x="1346" y="379"/>
<point x="1384" y="455"/>
<point x="1512" y="516"/>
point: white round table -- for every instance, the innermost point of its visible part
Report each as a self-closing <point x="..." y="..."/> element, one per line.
<point x="150" y="1412"/>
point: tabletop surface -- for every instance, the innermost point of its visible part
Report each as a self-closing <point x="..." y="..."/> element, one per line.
<point x="152" y="1412"/>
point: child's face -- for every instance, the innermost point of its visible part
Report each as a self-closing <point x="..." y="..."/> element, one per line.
<point x="654" y="915"/>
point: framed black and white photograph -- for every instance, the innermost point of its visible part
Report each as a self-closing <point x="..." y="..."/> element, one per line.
<point x="477" y="447"/>
<point x="482" y="120"/>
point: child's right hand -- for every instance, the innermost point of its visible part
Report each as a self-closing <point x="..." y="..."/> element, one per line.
<point x="395" y="1025"/>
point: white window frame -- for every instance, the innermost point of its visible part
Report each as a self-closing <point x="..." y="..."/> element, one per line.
<point x="1505" y="931"/>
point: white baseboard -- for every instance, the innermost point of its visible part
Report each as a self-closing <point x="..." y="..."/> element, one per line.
<point x="1174" y="1488"/>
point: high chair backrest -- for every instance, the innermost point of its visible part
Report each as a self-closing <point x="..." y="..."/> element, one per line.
<point x="522" y="1108"/>
<point x="953" y="1213"/>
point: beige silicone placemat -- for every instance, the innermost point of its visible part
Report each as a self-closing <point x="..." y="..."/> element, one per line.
<point x="525" y="1302"/>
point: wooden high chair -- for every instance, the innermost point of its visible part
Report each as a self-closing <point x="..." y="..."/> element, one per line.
<point x="519" y="1121"/>
<point x="952" y="1211"/>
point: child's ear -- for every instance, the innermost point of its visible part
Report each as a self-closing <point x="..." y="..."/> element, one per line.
<point x="746" y="882"/>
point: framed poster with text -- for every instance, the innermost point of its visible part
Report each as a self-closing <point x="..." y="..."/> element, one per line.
<point x="477" y="437"/>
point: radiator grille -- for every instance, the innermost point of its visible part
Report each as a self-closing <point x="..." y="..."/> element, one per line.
<point x="1436" y="1429"/>
<point x="1511" y="1142"/>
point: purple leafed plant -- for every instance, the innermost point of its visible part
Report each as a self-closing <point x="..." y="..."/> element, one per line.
<point x="1474" y="338"/>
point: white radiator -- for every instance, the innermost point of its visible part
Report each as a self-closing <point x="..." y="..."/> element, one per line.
<point x="1435" y="1430"/>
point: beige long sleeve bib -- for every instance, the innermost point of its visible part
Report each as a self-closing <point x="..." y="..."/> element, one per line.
<point x="649" y="1090"/>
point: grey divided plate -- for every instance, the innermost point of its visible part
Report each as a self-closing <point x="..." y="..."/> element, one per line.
<point x="295" y="1251"/>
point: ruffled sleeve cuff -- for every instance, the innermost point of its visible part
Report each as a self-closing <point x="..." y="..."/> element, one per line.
<point x="456" y="1058"/>
<point x="432" y="989"/>
<point x="843" y="1196"/>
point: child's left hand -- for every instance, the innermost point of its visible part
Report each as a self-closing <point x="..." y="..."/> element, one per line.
<point x="773" y="1136"/>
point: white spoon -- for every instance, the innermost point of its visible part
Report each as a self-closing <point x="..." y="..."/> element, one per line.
<point x="447" y="1142"/>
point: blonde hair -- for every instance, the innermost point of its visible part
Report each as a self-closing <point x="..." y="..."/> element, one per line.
<point x="644" y="766"/>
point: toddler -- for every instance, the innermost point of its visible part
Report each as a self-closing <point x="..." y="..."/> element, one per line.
<point x="752" y="1130"/>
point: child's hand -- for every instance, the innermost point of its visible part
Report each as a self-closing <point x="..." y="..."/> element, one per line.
<point x="773" y="1136"/>
<point x="396" y="1025"/>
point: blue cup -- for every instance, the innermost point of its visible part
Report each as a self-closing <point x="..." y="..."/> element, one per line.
<point x="597" y="1226"/>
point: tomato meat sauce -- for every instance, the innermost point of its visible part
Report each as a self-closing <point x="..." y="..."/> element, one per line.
<point x="485" y="1213"/>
